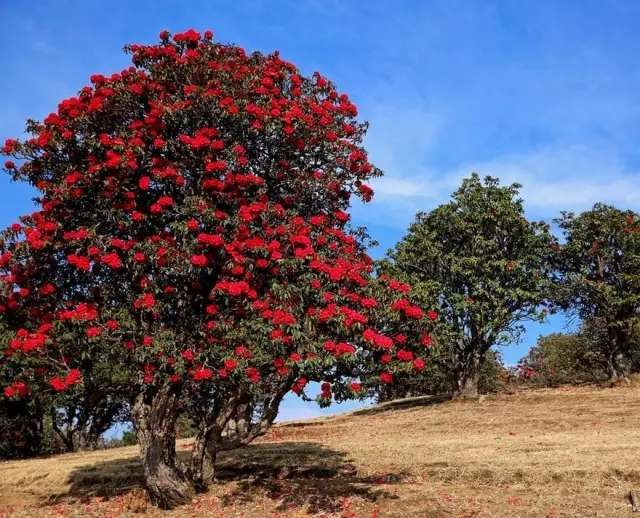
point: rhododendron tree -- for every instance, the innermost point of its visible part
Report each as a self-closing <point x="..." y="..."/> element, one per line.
<point x="193" y="230"/>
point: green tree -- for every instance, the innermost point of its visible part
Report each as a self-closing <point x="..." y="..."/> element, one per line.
<point x="487" y="267"/>
<point x="129" y="438"/>
<point x="561" y="358"/>
<point x="600" y="277"/>
<point x="435" y="379"/>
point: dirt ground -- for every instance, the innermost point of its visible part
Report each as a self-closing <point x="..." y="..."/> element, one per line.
<point x="549" y="453"/>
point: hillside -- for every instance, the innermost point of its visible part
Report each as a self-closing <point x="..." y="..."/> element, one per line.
<point x="562" y="452"/>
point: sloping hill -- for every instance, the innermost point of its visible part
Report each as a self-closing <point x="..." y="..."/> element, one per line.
<point x="553" y="453"/>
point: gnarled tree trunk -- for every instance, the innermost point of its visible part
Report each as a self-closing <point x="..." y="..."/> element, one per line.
<point x="612" y="368"/>
<point x="233" y="423"/>
<point x="203" y="456"/>
<point x="254" y="418"/>
<point x="615" y="358"/>
<point x="467" y="375"/>
<point x="154" y="414"/>
<point x="207" y="441"/>
<point x="238" y="427"/>
<point x="467" y="386"/>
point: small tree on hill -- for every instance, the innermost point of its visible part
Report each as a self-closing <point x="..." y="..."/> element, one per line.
<point x="487" y="267"/>
<point x="192" y="230"/>
<point x="600" y="277"/>
<point x="561" y="358"/>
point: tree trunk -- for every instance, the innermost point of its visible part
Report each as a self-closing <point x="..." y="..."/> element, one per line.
<point x="612" y="350"/>
<point x="612" y="368"/>
<point x="615" y="358"/>
<point x="65" y="435"/>
<point x="253" y="418"/>
<point x="209" y="438"/>
<point x="87" y="439"/>
<point x="203" y="457"/>
<point x="467" y="377"/>
<point x="238" y="427"/>
<point x="467" y="386"/>
<point x="154" y="416"/>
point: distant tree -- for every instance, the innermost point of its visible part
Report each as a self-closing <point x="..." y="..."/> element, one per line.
<point x="76" y="416"/>
<point x="81" y="416"/>
<point x="22" y="430"/>
<point x="435" y="379"/>
<point x="600" y="277"/>
<point x="128" y="438"/>
<point x="561" y="358"/>
<point x="487" y="267"/>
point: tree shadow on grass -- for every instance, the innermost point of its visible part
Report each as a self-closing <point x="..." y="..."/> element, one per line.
<point x="296" y="474"/>
<point x="108" y="478"/>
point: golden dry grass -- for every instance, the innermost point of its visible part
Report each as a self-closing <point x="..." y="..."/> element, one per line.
<point x="553" y="453"/>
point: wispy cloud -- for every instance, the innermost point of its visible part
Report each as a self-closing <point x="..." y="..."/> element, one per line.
<point x="553" y="179"/>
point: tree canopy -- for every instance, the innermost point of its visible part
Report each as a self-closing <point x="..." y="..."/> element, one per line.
<point x="486" y="266"/>
<point x="193" y="231"/>
<point x="599" y="276"/>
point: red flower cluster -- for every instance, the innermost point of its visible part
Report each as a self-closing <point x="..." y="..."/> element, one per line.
<point x="210" y="239"/>
<point x="377" y="339"/>
<point x="145" y="301"/>
<point x="282" y="318"/>
<point x="252" y="374"/>
<point x="409" y="310"/>
<point x="17" y="388"/>
<point x="236" y="288"/>
<point x="27" y="342"/>
<point x="299" y="385"/>
<point x="202" y="373"/>
<point x="81" y="313"/>
<point x="338" y="349"/>
<point x="61" y="384"/>
<point x="112" y="260"/>
<point x="80" y="262"/>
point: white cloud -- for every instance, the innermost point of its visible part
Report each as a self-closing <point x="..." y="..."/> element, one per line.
<point x="568" y="177"/>
<point x="554" y="178"/>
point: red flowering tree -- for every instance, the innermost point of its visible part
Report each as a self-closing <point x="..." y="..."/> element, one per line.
<point x="192" y="230"/>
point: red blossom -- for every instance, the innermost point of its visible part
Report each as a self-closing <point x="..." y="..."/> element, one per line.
<point x="199" y="260"/>
<point x="252" y="374"/>
<point x="93" y="332"/>
<point x="112" y="260"/>
<point x="210" y="239"/>
<point x="386" y="377"/>
<point x="17" y="388"/>
<point x="202" y="373"/>
<point x="146" y="301"/>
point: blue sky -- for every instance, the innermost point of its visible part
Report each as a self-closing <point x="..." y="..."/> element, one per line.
<point x="544" y="93"/>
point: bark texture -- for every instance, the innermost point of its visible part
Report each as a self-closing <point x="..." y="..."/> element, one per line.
<point x="155" y="413"/>
<point x="467" y="375"/>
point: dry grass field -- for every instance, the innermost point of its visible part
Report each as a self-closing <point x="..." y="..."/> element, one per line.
<point x="551" y="453"/>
